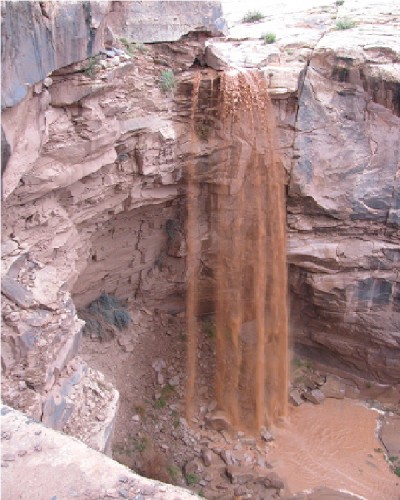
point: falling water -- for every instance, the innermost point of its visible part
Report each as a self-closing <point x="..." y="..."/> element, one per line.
<point x="248" y="229"/>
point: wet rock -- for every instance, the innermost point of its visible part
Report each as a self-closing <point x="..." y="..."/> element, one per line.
<point x="239" y="475"/>
<point x="315" y="396"/>
<point x="295" y="397"/>
<point x="273" y="481"/>
<point x="334" y="387"/>
<point x="390" y="436"/>
<point x="266" y="435"/>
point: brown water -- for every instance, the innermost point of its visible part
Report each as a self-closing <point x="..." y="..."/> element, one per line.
<point x="333" y="445"/>
<point x="192" y="265"/>
<point x="248" y="232"/>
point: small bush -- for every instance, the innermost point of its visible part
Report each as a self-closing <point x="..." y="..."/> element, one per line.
<point x="191" y="479"/>
<point x="208" y="327"/>
<point x="121" y="319"/>
<point x="141" y="47"/>
<point x="345" y="24"/>
<point x="339" y="2"/>
<point x="159" y="403"/>
<point x="167" y="81"/>
<point x="174" y="472"/>
<point x="203" y="131"/>
<point x="91" y="66"/>
<point x="141" y="444"/>
<point x="397" y="471"/>
<point x="252" y="16"/>
<point x="128" y="46"/>
<point x="108" y="301"/>
<point x="269" y="38"/>
<point x="103" y="316"/>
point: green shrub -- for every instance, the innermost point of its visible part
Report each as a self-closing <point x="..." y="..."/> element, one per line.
<point x="269" y="38"/>
<point x="141" y="47"/>
<point x="339" y="2"/>
<point x="397" y="471"/>
<point x="209" y="327"/>
<point x="167" y="81"/>
<point x="345" y="24"/>
<point x="173" y="472"/>
<point x="103" y="316"/>
<point x="140" y="444"/>
<point x="160" y="403"/>
<point x="252" y="16"/>
<point x="191" y="479"/>
<point x="128" y="46"/>
<point x="91" y="66"/>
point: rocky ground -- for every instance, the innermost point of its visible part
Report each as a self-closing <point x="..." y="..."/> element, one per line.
<point x="146" y="363"/>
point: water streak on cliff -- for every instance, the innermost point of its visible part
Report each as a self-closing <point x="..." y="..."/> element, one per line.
<point x="248" y="230"/>
<point x="192" y="264"/>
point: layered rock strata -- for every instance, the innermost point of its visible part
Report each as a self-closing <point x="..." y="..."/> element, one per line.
<point x="336" y="94"/>
<point x="94" y="197"/>
<point x="91" y="204"/>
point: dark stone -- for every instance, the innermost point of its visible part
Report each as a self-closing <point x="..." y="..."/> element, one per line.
<point x="239" y="475"/>
<point x="273" y="481"/>
<point x="16" y="293"/>
<point x="378" y="291"/>
<point x="315" y="396"/>
<point x="5" y="151"/>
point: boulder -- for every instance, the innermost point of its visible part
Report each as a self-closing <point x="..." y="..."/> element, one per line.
<point x="334" y="387"/>
<point x="239" y="474"/>
<point x="218" y="421"/>
<point x="273" y="481"/>
<point x="314" y="396"/>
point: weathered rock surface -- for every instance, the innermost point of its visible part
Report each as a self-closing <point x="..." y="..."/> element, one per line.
<point x="76" y="470"/>
<point x="345" y="286"/>
<point x="39" y="38"/>
<point x="92" y="160"/>
<point x="94" y="198"/>
<point x="390" y="437"/>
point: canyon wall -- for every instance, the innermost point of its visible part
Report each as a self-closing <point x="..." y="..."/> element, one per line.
<point x="94" y="191"/>
<point x="92" y="203"/>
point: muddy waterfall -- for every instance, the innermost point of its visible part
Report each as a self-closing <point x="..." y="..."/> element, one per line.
<point x="249" y="231"/>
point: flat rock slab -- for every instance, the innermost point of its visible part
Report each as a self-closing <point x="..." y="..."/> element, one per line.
<point x="334" y="387"/>
<point x="54" y="465"/>
<point x="315" y="396"/>
<point x="390" y="437"/>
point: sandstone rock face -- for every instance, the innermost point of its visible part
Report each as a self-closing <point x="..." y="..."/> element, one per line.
<point x="94" y="193"/>
<point x="40" y="37"/>
<point x="77" y="470"/>
<point x="91" y="203"/>
<point x="344" y="200"/>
